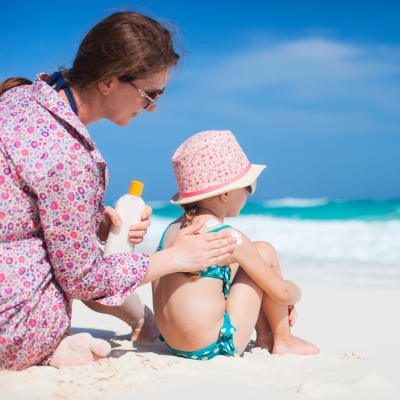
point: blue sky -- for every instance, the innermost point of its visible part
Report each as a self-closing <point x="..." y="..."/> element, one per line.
<point x="309" y="88"/>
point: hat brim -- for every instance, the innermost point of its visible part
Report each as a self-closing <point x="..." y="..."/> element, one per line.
<point x="246" y="180"/>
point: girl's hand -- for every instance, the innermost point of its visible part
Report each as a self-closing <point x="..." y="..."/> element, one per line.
<point x="292" y="315"/>
<point x="194" y="251"/>
<point x="137" y="231"/>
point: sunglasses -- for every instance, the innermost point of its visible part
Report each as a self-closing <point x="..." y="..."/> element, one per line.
<point x="251" y="188"/>
<point x="153" y="97"/>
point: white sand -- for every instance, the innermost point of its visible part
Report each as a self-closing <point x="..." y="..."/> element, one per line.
<point x="356" y="328"/>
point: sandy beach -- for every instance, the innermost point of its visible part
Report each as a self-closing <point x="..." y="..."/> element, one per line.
<point x="356" y="329"/>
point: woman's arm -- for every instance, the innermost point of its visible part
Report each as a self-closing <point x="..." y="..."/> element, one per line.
<point x="247" y="256"/>
<point x="191" y="252"/>
<point x="69" y="201"/>
<point x="69" y="218"/>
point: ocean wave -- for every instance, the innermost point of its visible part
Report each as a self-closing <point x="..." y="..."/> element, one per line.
<point x="317" y="209"/>
<point x="295" y="202"/>
<point x="158" y="203"/>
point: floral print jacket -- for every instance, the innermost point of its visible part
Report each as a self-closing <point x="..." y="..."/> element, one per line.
<point x="52" y="183"/>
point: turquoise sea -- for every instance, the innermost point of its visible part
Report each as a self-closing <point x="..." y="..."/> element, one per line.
<point x="311" y="209"/>
<point x="319" y="240"/>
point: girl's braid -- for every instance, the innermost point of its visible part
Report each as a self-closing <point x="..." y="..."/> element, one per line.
<point x="187" y="220"/>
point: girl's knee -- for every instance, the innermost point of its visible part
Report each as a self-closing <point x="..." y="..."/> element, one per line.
<point x="266" y="249"/>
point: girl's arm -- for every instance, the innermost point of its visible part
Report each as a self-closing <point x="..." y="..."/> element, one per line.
<point x="247" y="256"/>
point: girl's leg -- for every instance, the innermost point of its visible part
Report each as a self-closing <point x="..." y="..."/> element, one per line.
<point x="136" y="314"/>
<point x="284" y="341"/>
<point x="276" y="316"/>
<point x="243" y="305"/>
<point x="264" y="336"/>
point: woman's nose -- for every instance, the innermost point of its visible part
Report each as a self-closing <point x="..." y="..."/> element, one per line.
<point x="151" y="108"/>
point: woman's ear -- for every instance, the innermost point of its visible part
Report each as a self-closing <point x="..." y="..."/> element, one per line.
<point x="106" y="85"/>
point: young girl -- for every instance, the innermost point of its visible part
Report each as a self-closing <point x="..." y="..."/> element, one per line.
<point x="214" y="311"/>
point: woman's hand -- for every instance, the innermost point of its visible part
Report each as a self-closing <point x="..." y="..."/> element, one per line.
<point x="110" y="216"/>
<point x="136" y="232"/>
<point x="193" y="251"/>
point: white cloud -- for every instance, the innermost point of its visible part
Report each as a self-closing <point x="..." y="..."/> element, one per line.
<point x="308" y="60"/>
<point x="321" y="84"/>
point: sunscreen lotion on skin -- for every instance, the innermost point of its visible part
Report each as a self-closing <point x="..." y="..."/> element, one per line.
<point x="130" y="208"/>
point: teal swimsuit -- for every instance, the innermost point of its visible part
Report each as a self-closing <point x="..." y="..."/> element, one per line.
<point x="224" y="345"/>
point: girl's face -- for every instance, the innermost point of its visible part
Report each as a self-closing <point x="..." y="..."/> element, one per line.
<point x="124" y="102"/>
<point x="236" y="200"/>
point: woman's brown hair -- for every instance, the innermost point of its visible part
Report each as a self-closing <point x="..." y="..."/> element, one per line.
<point x="187" y="220"/>
<point x="12" y="83"/>
<point x="126" y="44"/>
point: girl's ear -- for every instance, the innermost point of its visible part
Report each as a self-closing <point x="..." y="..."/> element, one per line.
<point x="224" y="197"/>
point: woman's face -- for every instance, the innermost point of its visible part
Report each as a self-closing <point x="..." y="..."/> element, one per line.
<point x="123" y="102"/>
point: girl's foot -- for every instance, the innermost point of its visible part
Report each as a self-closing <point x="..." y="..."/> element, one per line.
<point x="294" y="345"/>
<point x="265" y="340"/>
<point x="146" y="328"/>
<point x="79" y="349"/>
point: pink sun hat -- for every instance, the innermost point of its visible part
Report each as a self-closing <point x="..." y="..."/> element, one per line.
<point x="210" y="163"/>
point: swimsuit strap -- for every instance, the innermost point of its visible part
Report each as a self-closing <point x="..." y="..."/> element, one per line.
<point x="219" y="228"/>
<point x="161" y="244"/>
<point x="224" y="273"/>
<point x="226" y="338"/>
<point x="57" y="79"/>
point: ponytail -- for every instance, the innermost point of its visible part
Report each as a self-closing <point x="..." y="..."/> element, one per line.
<point x="187" y="220"/>
<point x="12" y="83"/>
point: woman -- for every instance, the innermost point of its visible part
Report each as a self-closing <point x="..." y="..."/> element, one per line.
<point x="52" y="183"/>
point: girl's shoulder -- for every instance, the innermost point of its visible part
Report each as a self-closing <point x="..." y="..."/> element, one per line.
<point x="169" y="234"/>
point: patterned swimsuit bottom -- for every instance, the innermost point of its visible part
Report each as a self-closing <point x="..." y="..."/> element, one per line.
<point x="224" y="345"/>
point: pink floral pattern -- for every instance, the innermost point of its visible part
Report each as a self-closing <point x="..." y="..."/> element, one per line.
<point x="207" y="160"/>
<point x="52" y="183"/>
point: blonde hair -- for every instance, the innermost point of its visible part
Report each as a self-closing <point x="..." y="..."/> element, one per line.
<point x="187" y="220"/>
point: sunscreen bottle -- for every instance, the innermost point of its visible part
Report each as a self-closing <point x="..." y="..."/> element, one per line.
<point x="130" y="208"/>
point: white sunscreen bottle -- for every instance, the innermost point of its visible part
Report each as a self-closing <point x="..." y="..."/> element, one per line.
<point x="130" y="208"/>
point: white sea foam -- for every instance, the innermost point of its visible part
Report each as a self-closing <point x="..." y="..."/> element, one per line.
<point x="331" y="251"/>
<point x="295" y="202"/>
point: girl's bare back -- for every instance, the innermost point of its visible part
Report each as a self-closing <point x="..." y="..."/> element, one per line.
<point x="189" y="311"/>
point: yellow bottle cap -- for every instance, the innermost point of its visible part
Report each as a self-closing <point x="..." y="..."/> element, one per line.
<point x="136" y="188"/>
